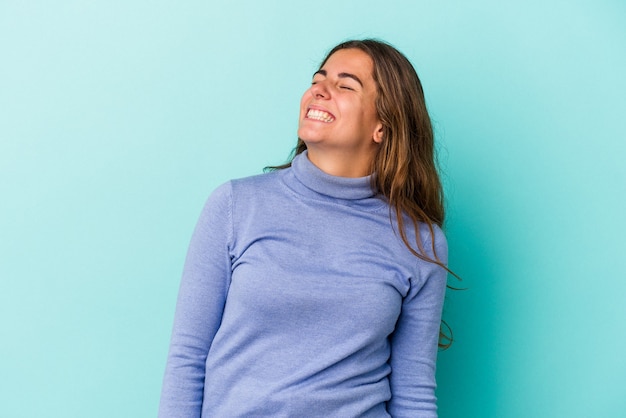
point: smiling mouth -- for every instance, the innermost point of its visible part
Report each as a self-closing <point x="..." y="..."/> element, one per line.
<point x="320" y="115"/>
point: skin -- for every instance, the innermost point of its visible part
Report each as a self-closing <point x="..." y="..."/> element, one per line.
<point x="343" y="95"/>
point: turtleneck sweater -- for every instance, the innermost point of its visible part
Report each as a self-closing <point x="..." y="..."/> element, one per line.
<point x="299" y="299"/>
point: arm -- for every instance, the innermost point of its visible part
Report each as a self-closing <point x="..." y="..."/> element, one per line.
<point x="415" y="340"/>
<point x="201" y="298"/>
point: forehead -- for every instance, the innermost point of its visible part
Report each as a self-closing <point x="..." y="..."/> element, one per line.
<point x="353" y="61"/>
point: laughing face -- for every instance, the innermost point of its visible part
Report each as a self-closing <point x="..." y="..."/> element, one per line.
<point x="338" y="113"/>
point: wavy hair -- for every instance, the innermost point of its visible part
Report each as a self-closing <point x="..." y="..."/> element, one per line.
<point x="405" y="163"/>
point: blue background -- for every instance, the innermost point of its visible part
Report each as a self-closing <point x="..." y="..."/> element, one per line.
<point x="118" y="118"/>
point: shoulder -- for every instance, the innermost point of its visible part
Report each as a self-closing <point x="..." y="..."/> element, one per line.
<point x="434" y="241"/>
<point x="244" y="186"/>
<point x="248" y="194"/>
<point x="256" y="190"/>
<point x="259" y="181"/>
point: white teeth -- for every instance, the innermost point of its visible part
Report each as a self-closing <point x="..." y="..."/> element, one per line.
<point x="319" y="115"/>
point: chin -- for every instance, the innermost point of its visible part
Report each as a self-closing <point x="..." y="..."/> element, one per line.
<point x="309" y="140"/>
<point x="306" y="136"/>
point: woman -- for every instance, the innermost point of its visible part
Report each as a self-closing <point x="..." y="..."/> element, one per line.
<point x="316" y="290"/>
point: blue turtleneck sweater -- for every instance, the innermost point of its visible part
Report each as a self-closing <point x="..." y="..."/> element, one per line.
<point x="298" y="299"/>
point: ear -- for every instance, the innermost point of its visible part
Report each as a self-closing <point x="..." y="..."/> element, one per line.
<point x="378" y="133"/>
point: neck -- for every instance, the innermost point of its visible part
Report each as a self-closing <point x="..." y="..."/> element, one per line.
<point x="341" y="164"/>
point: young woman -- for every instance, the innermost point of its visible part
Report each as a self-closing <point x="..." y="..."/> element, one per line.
<point x="316" y="290"/>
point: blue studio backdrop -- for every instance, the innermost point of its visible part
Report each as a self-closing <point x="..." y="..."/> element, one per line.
<point x="118" y="118"/>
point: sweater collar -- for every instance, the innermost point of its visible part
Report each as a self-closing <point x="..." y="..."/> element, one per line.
<point x="338" y="187"/>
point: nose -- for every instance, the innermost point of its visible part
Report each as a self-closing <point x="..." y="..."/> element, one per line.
<point x="319" y="90"/>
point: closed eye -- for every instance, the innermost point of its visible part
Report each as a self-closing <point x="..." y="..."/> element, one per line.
<point x="346" y="88"/>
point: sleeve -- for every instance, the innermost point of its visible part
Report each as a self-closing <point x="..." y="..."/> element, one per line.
<point x="201" y="299"/>
<point x="414" y="343"/>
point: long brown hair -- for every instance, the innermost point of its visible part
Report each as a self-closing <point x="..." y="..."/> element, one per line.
<point x="405" y="163"/>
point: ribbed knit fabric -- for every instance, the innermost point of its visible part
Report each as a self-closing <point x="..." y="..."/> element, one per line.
<point x="298" y="299"/>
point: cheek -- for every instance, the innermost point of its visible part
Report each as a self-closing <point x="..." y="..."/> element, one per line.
<point x="303" y="104"/>
<point x="371" y="112"/>
<point x="304" y="100"/>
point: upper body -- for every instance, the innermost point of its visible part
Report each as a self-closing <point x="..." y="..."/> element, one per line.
<point x="317" y="290"/>
<point x="299" y="299"/>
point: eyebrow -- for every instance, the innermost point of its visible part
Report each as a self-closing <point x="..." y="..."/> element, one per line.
<point x="340" y="75"/>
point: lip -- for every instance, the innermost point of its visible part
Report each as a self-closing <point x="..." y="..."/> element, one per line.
<point x="316" y="107"/>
